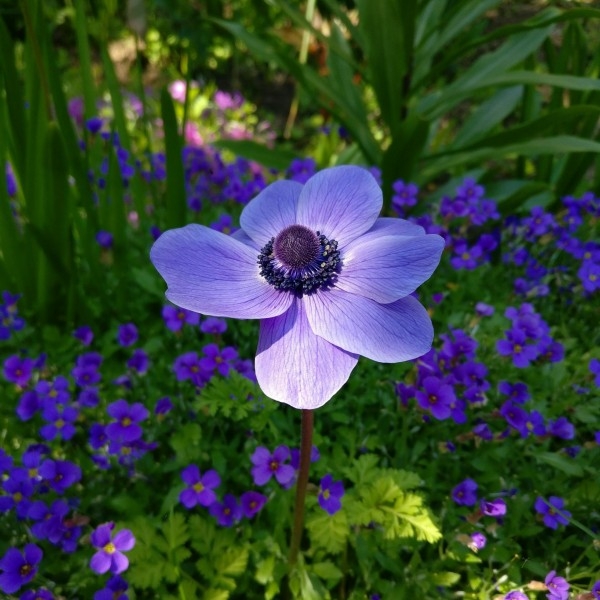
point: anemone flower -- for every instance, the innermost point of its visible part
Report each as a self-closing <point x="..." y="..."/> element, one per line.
<point x="328" y="279"/>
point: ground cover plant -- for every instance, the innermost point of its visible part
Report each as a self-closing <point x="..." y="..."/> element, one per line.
<point x="142" y="453"/>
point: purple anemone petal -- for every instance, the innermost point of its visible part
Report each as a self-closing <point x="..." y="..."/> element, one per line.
<point x="385" y="226"/>
<point x="388" y="268"/>
<point x="213" y="274"/>
<point x="387" y="333"/>
<point x="243" y="237"/>
<point x="295" y="366"/>
<point x="342" y="203"/>
<point x="271" y="211"/>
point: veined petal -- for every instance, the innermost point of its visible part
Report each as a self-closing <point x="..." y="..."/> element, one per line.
<point x="387" y="333"/>
<point x="271" y="211"/>
<point x="214" y="274"/>
<point x="393" y="226"/>
<point x="388" y="268"/>
<point x="243" y="237"/>
<point x="295" y="366"/>
<point x="341" y="202"/>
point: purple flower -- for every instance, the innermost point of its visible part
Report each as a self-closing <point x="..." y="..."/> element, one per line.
<point x="478" y="541"/>
<point x="41" y="594"/>
<point x="438" y="397"/>
<point x="267" y="465"/>
<point x="126" y="428"/>
<point x="516" y="595"/>
<point x="549" y="509"/>
<point x="60" y="421"/>
<point x="175" y="317"/>
<point x="127" y="334"/>
<point x="589" y="274"/>
<point x="110" y="555"/>
<point x="217" y="360"/>
<point x="405" y="194"/>
<point x="483" y="309"/>
<point x="228" y="512"/>
<point x="163" y="406"/>
<point x="493" y="508"/>
<point x="59" y="474"/>
<point x="213" y="325"/>
<point x="18" y="490"/>
<point x="594" y="367"/>
<point x="200" y="490"/>
<point x="115" y="589"/>
<point x="252" y="502"/>
<point x="596" y="590"/>
<point x="19" y="568"/>
<point x="330" y="494"/>
<point x="517" y="392"/>
<point x="465" y="493"/>
<point x="517" y="347"/>
<point x="18" y="370"/>
<point x="104" y="239"/>
<point x="328" y="278"/>
<point x="557" y="586"/>
<point x="562" y="428"/>
<point x="139" y="361"/>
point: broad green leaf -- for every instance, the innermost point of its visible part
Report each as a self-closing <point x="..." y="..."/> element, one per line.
<point x="489" y="114"/>
<point x="550" y="145"/>
<point x="560" y="462"/>
<point x="275" y="158"/>
<point x="488" y="66"/>
<point x="327" y="570"/>
<point x="329" y="532"/>
<point x="175" y="193"/>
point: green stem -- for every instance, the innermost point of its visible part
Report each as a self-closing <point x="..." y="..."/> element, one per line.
<point x="305" y="451"/>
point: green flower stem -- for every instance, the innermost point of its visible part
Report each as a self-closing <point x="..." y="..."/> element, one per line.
<point x="305" y="451"/>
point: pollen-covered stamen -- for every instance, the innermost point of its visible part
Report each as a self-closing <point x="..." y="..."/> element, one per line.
<point x="299" y="260"/>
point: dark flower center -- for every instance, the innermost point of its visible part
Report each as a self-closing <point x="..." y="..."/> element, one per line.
<point x="299" y="260"/>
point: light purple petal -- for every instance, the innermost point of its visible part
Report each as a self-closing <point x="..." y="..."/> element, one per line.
<point x="392" y="226"/>
<point x="119" y="563"/>
<point x="387" y="333"/>
<point x="188" y="497"/>
<point x="124" y="540"/>
<point x="100" y="562"/>
<point x="243" y="237"/>
<point x="271" y="211"/>
<point x="101" y="535"/>
<point x="261" y="474"/>
<point x="260" y="456"/>
<point x="214" y="274"/>
<point x="342" y="203"/>
<point x="295" y="366"/>
<point x="191" y="474"/>
<point x="388" y="268"/>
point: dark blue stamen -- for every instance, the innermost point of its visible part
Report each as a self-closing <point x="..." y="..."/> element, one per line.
<point x="299" y="260"/>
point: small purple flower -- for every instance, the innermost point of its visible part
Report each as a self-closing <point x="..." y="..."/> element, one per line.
<point x="29" y="404"/>
<point x="60" y="422"/>
<point x="465" y="493"/>
<point x="19" y="568"/>
<point x="557" y="586"/>
<point x="252" y="502"/>
<point x="110" y="555"/>
<point x="213" y="325"/>
<point x="18" y="370"/>
<point x="550" y="510"/>
<point x="517" y="392"/>
<point x="218" y="360"/>
<point x="323" y="298"/>
<point x="175" y="318"/>
<point x="596" y="590"/>
<point x="200" y="490"/>
<point x="515" y="345"/>
<point x="330" y="494"/>
<point x="438" y="397"/>
<point x="483" y="309"/>
<point x="267" y="465"/>
<point x="516" y="595"/>
<point x="126" y="428"/>
<point x="163" y="406"/>
<point x="493" y="508"/>
<point x="139" y="361"/>
<point x="594" y="367"/>
<point x="59" y="474"/>
<point x="405" y="195"/>
<point x="115" y="589"/>
<point x="478" y="541"/>
<point x="105" y="239"/>
<point x="562" y="428"/>
<point x="41" y="594"/>
<point x="228" y="512"/>
<point x="127" y="334"/>
<point x="589" y="274"/>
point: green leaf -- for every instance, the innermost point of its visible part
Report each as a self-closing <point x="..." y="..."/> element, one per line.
<point x="275" y="158"/>
<point x="186" y="442"/>
<point x="329" y="532"/>
<point x="327" y="570"/>
<point x="445" y="578"/>
<point x="560" y="462"/>
<point x="214" y="594"/>
<point x="232" y="562"/>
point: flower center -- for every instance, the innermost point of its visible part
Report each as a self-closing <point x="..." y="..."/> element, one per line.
<point x="299" y="260"/>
